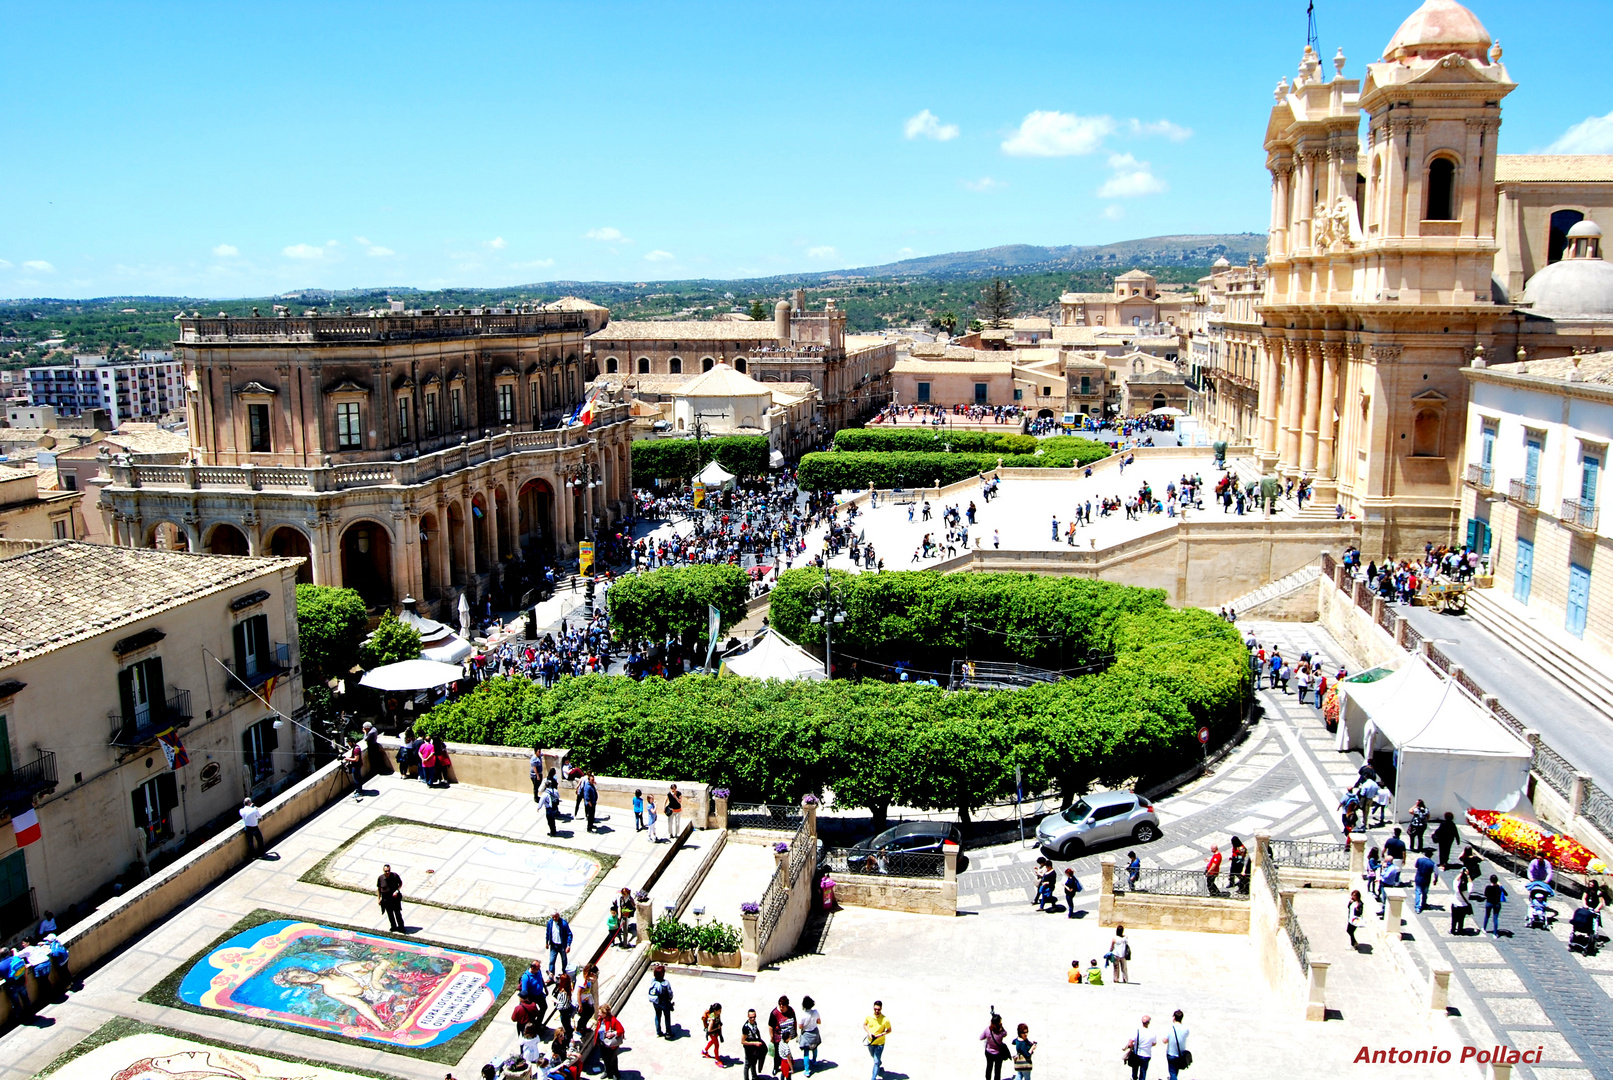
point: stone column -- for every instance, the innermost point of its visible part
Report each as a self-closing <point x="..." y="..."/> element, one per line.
<point x="1327" y="422"/>
<point x="809" y="810"/>
<point x="1304" y="201"/>
<point x="720" y="811"/>
<point x="1268" y="405"/>
<point x="1313" y="406"/>
<point x="1106" y="891"/>
<point x="1358" y="854"/>
<point x="949" y="852"/>
<point x="1316" y="1000"/>
<point x="1439" y="990"/>
<point x="1293" y="405"/>
<point x="1393" y="917"/>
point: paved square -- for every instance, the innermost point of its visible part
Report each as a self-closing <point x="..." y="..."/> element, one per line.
<point x="469" y="871"/>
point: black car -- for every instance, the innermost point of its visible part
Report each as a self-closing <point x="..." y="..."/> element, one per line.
<point x="872" y="856"/>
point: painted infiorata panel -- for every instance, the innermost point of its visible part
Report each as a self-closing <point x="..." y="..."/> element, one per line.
<point x="343" y="982"/>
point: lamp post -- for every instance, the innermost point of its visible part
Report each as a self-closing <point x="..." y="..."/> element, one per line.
<point x="830" y="610"/>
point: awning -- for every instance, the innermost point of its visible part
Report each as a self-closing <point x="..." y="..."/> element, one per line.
<point x="412" y="675"/>
<point x="1167" y="411"/>
<point x="714" y="475"/>
<point x="774" y="657"/>
<point x="452" y="650"/>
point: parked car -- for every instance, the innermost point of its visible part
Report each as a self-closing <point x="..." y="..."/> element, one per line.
<point x="911" y="837"/>
<point x="1096" y="819"/>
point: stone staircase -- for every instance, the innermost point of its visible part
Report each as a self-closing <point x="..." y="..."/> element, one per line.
<point x="1562" y="657"/>
<point x="1250" y="603"/>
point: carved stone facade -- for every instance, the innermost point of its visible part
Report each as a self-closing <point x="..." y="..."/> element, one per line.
<point x="398" y="453"/>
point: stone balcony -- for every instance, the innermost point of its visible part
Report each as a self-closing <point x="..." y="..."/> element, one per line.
<point x="401" y="473"/>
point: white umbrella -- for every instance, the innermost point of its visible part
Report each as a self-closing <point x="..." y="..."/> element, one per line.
<point x="1167" y="411"/>
<point x="464" y="615"/>
<point x="412" y="675"/>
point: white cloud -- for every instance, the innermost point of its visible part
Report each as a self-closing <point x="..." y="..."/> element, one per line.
<point x="4" y="265"/>
<point x="926" y="125"/>
<point x="498" y="243"/>
<point x="1047" y="133"/>
<point x="985" y="183"/>
<point x="40" y="265"/>
<point x="607" y="235"/>
<point x="1131" y="178"/>
<point x="534" y="264"/>
<point x="303" y="251"/>
<point x="1173" y="132"/>
<point x="376" y="251"/>
<point x="1593" y="135"/>
<point x="822" y="251"/>
<point x="1114" y="211"/>
<point x="905" y="253"/>
<point x="659" y="256"/>
<point x="226" y="251"/>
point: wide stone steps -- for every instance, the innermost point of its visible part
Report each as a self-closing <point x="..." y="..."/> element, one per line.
<point x="1553" y="652"/>
<point x="1299" y="579"/>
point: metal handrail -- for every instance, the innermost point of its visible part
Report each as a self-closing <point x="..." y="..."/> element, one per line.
<point x="1481" y="476"/>
<point x="1579" y="514"/>
<point x="1162" y="882"/>
<point x="24" y="782"/>
<point x="898" y="864"/>
<point x="765" y="816"/>
<point x="1526" y="492"/>
<point x="1310" y="854"/>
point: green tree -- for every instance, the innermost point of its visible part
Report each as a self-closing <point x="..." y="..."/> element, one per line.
<point x="758" y="310"/>
<point x="392" y="641"/>
<point x="330" y="627"/>
<point x="996" y="304"/>
<point x="673" y="600"/>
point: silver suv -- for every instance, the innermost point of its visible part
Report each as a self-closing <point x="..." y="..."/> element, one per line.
<point x="1097" y="819"/>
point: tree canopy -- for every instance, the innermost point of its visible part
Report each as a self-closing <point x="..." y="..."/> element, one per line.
<point x="393" y="641"/>
<point x="680" y="459"/>
<point x="330" y="626"/>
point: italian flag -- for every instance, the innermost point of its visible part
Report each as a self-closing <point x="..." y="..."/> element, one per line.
<point x="26" y="827"/>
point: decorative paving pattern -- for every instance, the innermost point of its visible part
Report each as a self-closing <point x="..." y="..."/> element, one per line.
<point x="465" y="871"/>
<point x="150" y="1056"/>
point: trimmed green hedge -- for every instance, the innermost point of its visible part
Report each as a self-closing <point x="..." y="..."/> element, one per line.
<point x="841" y="470"/>
<point x="926" y="440"/>
<point x="673" y="600"/>
<point x="877" y="743"/>
<point x="680" y="459"/>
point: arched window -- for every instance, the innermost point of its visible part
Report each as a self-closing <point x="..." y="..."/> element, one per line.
<point x="1425" y="434"/>
<point x="675" y="365"/>
<point x="739" y="364"/>
<point x="707" y="363"/>
<point x="643" y="365"/>
<point x="610" y="365"/>
<point x="1557" y="242"/>
<point x="1441" y="190"/>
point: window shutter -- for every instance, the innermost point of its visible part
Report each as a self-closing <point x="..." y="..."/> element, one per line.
<point x="126" y="694"/>
<point x="271" y="737"/>
<point x="167" y="792"/>
<point x="248" y="751"/>
<point x="141" y="820"/>
<point x="240" y="650"/>
<point x="261" y="639"/>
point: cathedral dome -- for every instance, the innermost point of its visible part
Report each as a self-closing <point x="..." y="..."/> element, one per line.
<point x="1439" y="28"/>
<point x="1573" y="287"/>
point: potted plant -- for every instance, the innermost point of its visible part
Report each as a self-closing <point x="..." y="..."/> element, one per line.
<point x="717" y="945"/>
<point x="671" y="942"/>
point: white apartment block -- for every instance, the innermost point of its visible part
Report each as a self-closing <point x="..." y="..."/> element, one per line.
<point x="142" y="389"/>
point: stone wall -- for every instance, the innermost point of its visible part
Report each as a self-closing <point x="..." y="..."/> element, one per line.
<point x="1354" y="629"/>
<point x="922" y="896"/>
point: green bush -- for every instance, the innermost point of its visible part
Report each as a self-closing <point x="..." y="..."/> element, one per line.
<point x="717" y="937"/>
<point x="842" y="470"/>
<point x="330" y="626"/>
<point x="926" y="440"/>
<point x="681" y="459"/>
<point x="673" y="600"/>
<point x="877" y="744"/>
<point x="391" y="642"/>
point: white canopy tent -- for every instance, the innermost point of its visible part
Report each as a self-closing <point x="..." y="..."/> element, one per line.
<point x="714" y="475"/>
<point x="1166" y="410"/>
<point x="412" y="675"/>
<point x="1449" y="751"/>
<point x="774" y="657"/>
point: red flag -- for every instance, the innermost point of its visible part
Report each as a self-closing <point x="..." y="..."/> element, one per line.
<point x="26" y="826"/>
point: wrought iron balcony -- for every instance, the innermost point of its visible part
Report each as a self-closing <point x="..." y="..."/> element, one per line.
<point x="1578" y="514"/>
<point x="20" y="785"/>
<point x="1481" y="476"/>
<point x="137" y="730"/>
<point x="278" y="662"/>
<point x="1524" y="492"/>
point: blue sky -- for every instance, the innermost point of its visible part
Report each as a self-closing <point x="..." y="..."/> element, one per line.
<point x="242" y="149"/>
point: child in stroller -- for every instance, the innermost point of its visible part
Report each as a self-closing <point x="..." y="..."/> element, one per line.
<point x="1540" y="915"/>
<point x="1582" y="937"/>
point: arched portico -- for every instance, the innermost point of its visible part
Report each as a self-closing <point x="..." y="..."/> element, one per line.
<point x="226" y="539"/>
<point x="367" y="561"/>
<point x="535" y="518"/>
<point x="288" y="542"/>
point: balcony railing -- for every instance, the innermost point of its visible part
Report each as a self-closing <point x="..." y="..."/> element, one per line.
<point x="1481" y="476"/>
<point x="1524" y="492"/>
<point x="1578" y="514"/>
<point x="138" y="730"/>
<point x="19" y="786"/>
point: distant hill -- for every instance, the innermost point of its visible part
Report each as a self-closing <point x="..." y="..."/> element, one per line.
<point x="1188" y="250"/>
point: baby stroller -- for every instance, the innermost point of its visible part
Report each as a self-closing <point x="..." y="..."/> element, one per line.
<point x="1540" y="916"/>
<point x="1582" y="937"/>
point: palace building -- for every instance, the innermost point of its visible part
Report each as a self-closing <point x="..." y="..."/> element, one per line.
<point x="398" y="452"/>
<point x="1388" y="270"/>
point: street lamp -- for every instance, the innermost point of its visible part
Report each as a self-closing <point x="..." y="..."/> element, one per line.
<point x="830" y="610"/>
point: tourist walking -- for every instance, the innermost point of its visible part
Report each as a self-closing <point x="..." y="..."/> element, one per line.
<point x="750" y="1042"/>
<point x="1024" y="1049"/>
<point x="1354" y="910"/>
<point x="711" y="1024"/>
<point x="674" y="812"/>
<point x="590" y="799"/>
<point x="1445" y="836"/>
<point x="649" y="809"/>
<point x="250" y="816"/>
<point x="996" y="1039"/>
<point x="1211" y="869"/>
<point x="1072" y="885"/>
<point x="638" y="810"/>
<point x="557" y="935"/>
<point x="1422" y="879"/>
<point x="1177" y="1055"/>
<point x="875" y="1030"/>
<point x="1141" y="1050"/>
<point x="1120" y="953"/>
<point x="610" y="1035"/>
<point x="1417" y="826"/>
<point x="354" y="757"/>
<point x="535" y="770"/>
<point x="811" y="1034"/>
<point x="1495" y="894"/>
<point x="551" y="808"/>
<point x="1461" y="903"/>
<point x="389" y="887"/>
<point x="661" y="1000"/>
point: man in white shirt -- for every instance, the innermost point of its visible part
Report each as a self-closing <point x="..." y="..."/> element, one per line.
<point x="1176" y="1056"/>
<point x="250" y="816"/>
<point x="1142" y="1047"/>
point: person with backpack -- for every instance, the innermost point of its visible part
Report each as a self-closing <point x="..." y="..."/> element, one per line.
<point x="711" y="1024"/>
<point x="750" y="1041"/>
<point x="1120" y="953"/>
<point x="557" y="935"/>
<point x="551" y="808"/>
<point x="661" y="1000"/>
<point x="1072" y="885"/>
<point x="1177" y="1055"/>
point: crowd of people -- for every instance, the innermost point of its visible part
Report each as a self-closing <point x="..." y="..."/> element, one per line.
<point x="1402" y="579"/>
<point x="938" y="415"/>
